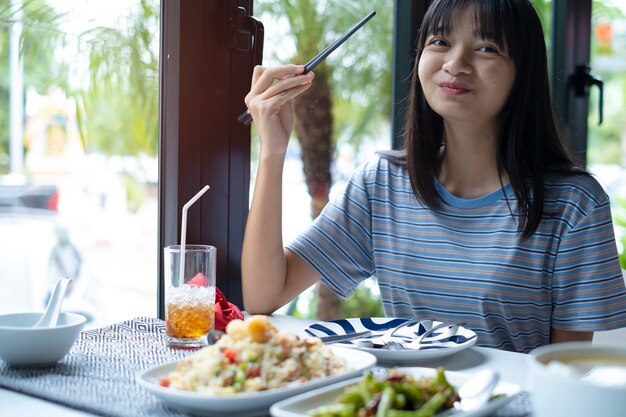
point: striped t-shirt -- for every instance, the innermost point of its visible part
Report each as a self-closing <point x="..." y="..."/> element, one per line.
<point x="466" y="262"/>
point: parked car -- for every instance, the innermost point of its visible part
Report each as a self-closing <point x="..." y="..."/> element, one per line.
<point x="35" y="250"/>
<point x="44" y="197"/>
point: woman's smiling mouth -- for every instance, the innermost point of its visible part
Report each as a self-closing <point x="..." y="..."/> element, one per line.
<point x="454" y="88"/>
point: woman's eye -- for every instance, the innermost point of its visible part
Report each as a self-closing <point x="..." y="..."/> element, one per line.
<point x="439" y="42"/>
<point x="488" y="49"/>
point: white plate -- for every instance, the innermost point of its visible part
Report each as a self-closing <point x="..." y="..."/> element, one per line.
<point x="433" y="346"/>
<point x="245" y="404"/>
<point x="299" y="405"/>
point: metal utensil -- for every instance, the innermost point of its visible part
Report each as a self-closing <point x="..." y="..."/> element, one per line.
<point x="417" y="343"/>
<point x="383" y="339"/>
<point x="344" y="337"/>
<point x="213" y="336"/>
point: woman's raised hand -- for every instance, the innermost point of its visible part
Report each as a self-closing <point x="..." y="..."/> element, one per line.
<point x="270" y="102"/>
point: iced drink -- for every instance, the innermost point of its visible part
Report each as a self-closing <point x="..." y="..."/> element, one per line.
<point x="190" y="314"/>
<point x="189" y="295"/>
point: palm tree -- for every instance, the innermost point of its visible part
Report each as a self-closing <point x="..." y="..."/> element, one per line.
<point x="118" y="110"/>
<point x="39" y="40"/>
<point x="312" y="27"/>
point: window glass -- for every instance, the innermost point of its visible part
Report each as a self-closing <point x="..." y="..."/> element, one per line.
<point x="606" y="152"/>
<point x="78" y="146"/>
<point x="544" y="10"/>
<point x="359" y="80"/>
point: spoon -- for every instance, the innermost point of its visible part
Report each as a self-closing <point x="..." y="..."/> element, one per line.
<point x="477" y="390"/>
<point x="51" y="315"/>
<point x="450" y="330"/>
<point x="474" y="393"/>
<point x="381" y="340"/>
<point x="384" y="341"/>
<point x="213" y="336"/>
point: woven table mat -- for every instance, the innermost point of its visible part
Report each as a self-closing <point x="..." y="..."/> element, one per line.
<point x="98" y="374"/>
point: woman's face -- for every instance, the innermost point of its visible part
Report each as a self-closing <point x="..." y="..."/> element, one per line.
<point x="465" y="78"/>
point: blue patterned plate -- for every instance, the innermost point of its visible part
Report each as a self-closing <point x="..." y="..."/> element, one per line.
<point x="438" y="344"/>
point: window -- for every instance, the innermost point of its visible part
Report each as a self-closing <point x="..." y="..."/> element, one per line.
<point x="606" y="148"/>
<point x="78" y="145"/>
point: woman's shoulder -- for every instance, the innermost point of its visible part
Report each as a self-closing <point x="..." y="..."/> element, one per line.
<point x="578" y="194"/>
<point x="383" y="163"/>
<point x="384" y="169"/>
<point x="393" y="156"/>
<point x="576" y="188"/>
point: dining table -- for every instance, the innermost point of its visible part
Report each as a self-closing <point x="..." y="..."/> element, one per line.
<point x="97" y="376"/>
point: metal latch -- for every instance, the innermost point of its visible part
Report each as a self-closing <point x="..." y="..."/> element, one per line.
<point x="581" y="81"/>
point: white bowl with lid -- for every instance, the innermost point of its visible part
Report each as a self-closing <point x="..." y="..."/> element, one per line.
<point x="23" y="345"/>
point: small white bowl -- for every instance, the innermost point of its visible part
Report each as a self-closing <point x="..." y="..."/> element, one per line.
<point x="23" y="345"/>
<point x="578" y="379"/>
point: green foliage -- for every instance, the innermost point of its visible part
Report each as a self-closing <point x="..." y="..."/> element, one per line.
<point x="117" y="108"/>
<point x="360" y="70"/>
<point x="39" y="41"/>
<point x="604" y="141"/>
<point x="619" y="218"/>
<point x="365" y="302"/>
<point x="603" y="12"/>
<point x="136" y="193"/>
<point x="118" y="111"/>
<point x="605" y="145"/>
<point x="360" y="74"/>
<point x="544" y="10"/>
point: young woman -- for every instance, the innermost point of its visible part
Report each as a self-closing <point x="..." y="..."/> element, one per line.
<point x="483" y="218"/>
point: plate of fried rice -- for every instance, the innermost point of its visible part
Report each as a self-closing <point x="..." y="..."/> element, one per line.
<point x="251" y="367"/>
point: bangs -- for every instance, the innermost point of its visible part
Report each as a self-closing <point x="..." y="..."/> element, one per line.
<point x="491" y="19"/>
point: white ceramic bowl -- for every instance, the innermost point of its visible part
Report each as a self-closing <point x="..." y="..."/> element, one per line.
<point x="22" y="345"/>
<point x="578" y="379"/>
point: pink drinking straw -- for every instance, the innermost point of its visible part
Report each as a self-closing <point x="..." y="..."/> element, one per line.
<point x="183" y="229"/>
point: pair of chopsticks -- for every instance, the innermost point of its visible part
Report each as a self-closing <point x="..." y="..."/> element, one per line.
<point x="246" y="117"/>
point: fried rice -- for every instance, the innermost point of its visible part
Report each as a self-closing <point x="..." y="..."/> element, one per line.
<point x="254" y="356"/>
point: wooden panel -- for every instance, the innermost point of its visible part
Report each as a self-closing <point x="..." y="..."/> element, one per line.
<point x="571" y="46"/>
<point x="408" y="16"/>
<point x="204" y="82"/>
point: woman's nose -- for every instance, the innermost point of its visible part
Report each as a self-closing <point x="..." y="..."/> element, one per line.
<point x="457" y="64"/>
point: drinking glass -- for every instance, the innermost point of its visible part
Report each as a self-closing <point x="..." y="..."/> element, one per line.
<point x="189" y="294"/>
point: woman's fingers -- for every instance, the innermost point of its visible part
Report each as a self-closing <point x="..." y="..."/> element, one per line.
<point x="277" y="99"/>
<point x="284" y="86"/>
<point x="256" y="73"/>
<point x="263" y="78"/>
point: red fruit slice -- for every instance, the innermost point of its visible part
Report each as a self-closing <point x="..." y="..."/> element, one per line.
<point x="199" y="279"/>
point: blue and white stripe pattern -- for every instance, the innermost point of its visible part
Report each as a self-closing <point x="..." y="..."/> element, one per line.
<point x="467" y="263"/>
<point x="440" y="339"/>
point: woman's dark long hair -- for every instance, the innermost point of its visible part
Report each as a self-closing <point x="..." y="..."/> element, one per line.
<point x="530" y="146"/>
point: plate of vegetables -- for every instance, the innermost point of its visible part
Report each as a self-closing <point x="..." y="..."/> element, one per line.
<point x="399" y="392"/>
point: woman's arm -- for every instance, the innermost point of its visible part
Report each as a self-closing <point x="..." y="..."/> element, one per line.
<point x="271" y="276"/>
<point x="558" y="336"/>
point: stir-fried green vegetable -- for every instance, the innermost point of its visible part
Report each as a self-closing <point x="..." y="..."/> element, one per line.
<point x="395" y="395"/>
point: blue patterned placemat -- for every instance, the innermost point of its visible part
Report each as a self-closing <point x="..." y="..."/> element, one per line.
<point x="98" y="374"/>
